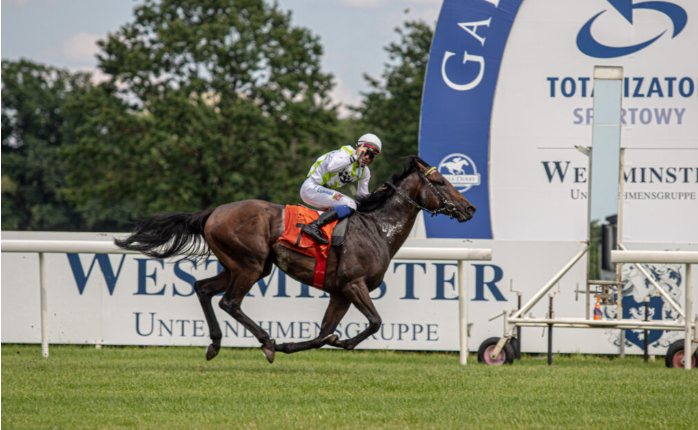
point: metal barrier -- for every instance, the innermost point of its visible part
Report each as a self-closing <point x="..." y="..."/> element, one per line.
<point x="668" y="257"/>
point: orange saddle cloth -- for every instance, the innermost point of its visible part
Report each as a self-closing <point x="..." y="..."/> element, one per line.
<point x="294" y="218"/>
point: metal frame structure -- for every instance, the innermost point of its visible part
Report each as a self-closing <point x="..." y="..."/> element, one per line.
<point x="518" y="317"/>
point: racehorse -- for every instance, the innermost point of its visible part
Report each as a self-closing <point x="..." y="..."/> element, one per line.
<point x="243" y="235"/>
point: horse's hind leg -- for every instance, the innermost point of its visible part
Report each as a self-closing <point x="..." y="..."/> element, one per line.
<point x="335" y="312"/>
<point x="205" y="290"/>
<point x="239" y="287"/>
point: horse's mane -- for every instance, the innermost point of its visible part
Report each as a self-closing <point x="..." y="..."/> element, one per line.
<point x="381" y="194"/>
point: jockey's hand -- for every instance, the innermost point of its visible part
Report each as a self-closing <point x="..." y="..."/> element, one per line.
<point x="360" y="151"/>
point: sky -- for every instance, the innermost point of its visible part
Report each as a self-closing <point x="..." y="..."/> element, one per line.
<point x="354" y="33"/>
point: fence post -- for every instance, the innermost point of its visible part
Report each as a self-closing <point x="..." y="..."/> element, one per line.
<point x="688" y="340"/>
<point x="463" y="320"/>
<point x="44" y="308"/>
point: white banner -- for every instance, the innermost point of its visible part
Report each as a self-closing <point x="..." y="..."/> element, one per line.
<point x="135" y="300"/>
<point x="543" y="108"/>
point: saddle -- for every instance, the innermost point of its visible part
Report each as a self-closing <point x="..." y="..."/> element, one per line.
<point x="295" y="217"/>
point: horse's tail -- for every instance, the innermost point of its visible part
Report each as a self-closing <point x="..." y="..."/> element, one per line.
<point x="170" y="234"/>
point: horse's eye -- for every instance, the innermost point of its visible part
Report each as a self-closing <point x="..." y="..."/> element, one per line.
<point x="440" y="182"/>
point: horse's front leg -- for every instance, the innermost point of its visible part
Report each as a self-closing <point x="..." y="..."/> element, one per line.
<point x="333" y="315"/>
<point x="357" y="293"/>
<point x="205" y="290"/>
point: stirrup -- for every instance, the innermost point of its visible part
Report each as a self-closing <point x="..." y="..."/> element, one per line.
<point x="314" y="232"/>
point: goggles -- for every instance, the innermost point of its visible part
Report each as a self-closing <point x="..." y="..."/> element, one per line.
<point x="371" y="151"/>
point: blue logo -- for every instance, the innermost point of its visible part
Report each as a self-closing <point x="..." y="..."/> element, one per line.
<point x="635" y="288"/>
<point x="460" y="171"/>
<point x="593" y="48"/>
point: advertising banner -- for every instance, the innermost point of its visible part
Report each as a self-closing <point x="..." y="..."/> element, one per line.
<point x="136" y="300"/>
<point x="509" y="93"/>
<point x="459" y="91"/>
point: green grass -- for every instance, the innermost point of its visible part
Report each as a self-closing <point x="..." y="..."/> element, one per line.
<point x="176" y="388"/>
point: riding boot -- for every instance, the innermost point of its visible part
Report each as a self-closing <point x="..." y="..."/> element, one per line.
<point x="313" y="229"/>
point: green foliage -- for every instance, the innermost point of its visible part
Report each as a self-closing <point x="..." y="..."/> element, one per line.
<point x="595" y="251"/>
<point x="33" y="130"/>
<point x="206" y="102"/>
<point x="209" y="102"/>
<point x="176" y="388"/>
<point x="392" y="108"/>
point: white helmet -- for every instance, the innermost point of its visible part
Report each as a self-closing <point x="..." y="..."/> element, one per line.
<point x="371" y="140"/>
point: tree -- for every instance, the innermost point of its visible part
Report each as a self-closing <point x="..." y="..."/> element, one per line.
<point x="209" y="101"/>
<point x="33" y="130"/>
<point x="392" y="109"/>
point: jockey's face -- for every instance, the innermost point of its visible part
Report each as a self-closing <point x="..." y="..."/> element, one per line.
<point x="367" y="155"/>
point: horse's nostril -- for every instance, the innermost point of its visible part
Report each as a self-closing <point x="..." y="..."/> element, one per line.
<point x="471" y="209"/>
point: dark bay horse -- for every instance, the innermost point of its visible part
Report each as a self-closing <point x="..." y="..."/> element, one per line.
<point x="243" y="235"/>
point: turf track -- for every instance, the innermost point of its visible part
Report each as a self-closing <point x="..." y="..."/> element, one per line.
<point x="176" y="388"/>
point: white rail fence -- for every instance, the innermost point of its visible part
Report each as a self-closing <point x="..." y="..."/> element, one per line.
<point x="103" y="247"/>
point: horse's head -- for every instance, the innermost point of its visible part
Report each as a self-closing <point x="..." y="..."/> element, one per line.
<point x="439" y="196"/>
<point x="423" y="187"/>
<point x="442" y="197"/>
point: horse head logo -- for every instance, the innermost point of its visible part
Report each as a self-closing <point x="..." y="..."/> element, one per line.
<point x="460" y="171"/>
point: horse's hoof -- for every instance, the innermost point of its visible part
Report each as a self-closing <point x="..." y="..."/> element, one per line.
<point x="338" y="344"/>
<point x="330" y="340"/>
<point x="269" y="350"/>
<point x="344" y="345"/>
<point x="211" y="352"/>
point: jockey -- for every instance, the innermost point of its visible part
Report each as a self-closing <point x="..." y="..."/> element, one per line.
<point x="333" y="170"/>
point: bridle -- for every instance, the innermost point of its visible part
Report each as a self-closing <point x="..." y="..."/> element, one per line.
<point x="447" y="208"/>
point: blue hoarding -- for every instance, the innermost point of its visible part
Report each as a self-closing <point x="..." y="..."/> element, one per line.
<point x="459" y="90"/>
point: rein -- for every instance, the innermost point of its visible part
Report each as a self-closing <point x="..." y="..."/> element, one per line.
<point x="447" y="207"/>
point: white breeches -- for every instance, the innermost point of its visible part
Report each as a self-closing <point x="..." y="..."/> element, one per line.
<point x="323" y="198"/>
